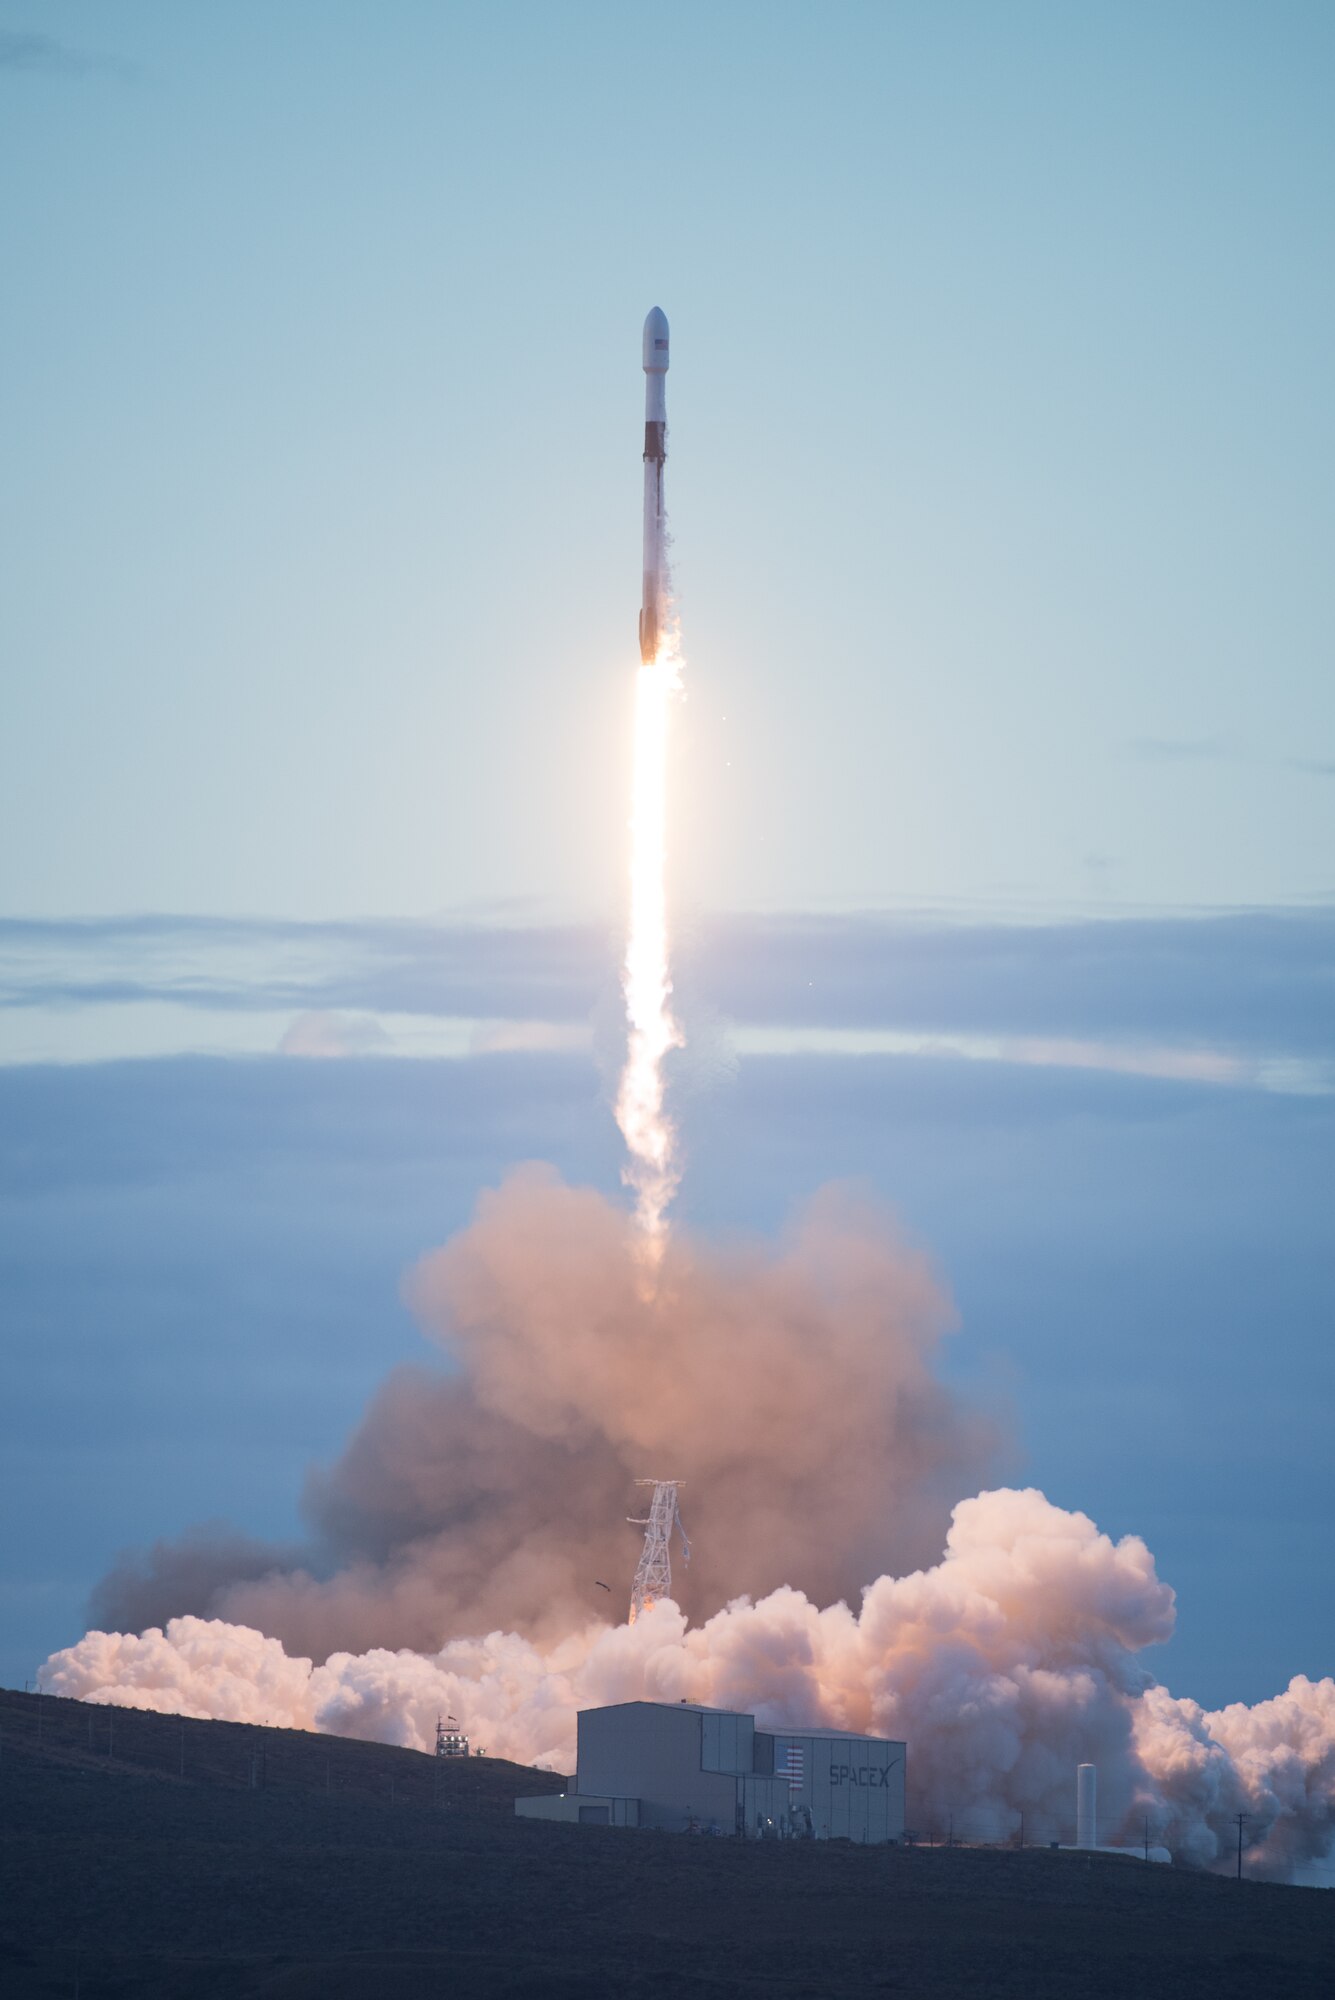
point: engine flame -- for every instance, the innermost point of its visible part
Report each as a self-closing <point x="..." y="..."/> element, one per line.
<point x="652" y="1171"/>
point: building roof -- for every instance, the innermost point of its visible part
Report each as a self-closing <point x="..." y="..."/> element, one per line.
<point x="746" y="1715"/>
<point x="844" y="1735"/>
<point x="673" y="1707"/>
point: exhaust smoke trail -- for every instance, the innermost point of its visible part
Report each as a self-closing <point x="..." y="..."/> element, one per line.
<point x="652" y="1170"/>
<point x="648" y="1132"/>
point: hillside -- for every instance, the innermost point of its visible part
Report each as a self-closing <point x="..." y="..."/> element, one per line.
<point x="299" y="1866"/>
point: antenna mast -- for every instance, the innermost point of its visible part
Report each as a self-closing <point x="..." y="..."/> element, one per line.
<point x="653" y="1577"/>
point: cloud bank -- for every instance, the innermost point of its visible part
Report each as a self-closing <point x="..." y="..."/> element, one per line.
<point x="1238" y="982"/>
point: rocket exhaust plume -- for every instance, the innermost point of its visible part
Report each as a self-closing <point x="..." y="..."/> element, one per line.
<point x="1001" y="1664"/>
<point x="652" y="1171"/>
<point x="454" y="1543"/>
<point x="790" y="1383"/>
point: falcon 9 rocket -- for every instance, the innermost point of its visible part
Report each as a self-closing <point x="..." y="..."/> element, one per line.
<point x="653" y="611"/>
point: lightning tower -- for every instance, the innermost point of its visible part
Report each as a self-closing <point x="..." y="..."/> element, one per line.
<point x="653" y="1577"/>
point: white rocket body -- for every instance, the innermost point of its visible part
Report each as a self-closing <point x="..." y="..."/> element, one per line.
<point x="653" y="607"/>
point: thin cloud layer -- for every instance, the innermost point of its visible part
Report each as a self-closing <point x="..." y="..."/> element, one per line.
<point x="1243" y="984"/>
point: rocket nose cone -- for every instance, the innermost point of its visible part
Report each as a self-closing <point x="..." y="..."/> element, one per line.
<point x="656" y="342"/>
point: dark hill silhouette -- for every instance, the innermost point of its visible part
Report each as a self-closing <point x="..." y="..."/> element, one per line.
<point x="317" y="1868"/>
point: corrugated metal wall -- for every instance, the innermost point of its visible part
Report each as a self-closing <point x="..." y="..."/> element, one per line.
<point x="853" y="1785"/>
<point x="726" y="1741"/>
<point x="654" y="1753"/>
<point x="714" y="1767"/>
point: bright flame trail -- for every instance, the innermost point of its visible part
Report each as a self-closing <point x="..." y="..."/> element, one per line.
<point x="649" y="1133"/>
<point x="645" y="1126"/>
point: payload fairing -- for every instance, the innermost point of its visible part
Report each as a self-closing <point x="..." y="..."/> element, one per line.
<point x="653" y="610"/>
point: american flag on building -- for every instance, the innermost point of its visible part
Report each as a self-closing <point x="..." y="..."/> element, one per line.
<point x="792" y="1765"/>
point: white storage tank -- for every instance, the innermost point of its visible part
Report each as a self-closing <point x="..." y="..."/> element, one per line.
<point x="1086" y="1805"/>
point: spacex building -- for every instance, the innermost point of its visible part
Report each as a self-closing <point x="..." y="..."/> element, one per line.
<point x="710" y="1770"/>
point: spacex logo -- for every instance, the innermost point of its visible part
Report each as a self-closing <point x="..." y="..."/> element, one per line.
<point x="862" y="1774"/>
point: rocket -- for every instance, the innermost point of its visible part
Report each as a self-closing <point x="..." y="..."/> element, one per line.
<point x="653" y="610"/>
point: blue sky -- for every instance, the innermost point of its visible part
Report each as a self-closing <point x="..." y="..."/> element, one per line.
<point x="1001" y="452"/>
<point x="1001" y="481"/>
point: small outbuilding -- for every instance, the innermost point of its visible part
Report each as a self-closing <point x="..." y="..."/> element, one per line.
<point x="677" y="1766"/>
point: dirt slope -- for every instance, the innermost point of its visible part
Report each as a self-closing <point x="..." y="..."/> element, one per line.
<point x="350" y="1870"/>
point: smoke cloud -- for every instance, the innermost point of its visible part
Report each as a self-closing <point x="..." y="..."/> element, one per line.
<point x="186" y="1575"/>
<point x="1003" y="1666"/>
<point x="790" y="1386"/>
<point x="456" y="1543"/>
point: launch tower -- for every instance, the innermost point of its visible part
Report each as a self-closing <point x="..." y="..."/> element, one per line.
<point x="653" y="1577"/>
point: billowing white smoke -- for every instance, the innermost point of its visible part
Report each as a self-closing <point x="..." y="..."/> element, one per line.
<point x="1004" y="1666"/>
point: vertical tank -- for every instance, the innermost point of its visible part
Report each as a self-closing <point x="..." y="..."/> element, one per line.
<point x="1086" y="1805"/>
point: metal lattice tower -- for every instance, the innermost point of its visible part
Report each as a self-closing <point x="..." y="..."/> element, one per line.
<point x="450" y="1738"/>
<point x="653" y="1577"/>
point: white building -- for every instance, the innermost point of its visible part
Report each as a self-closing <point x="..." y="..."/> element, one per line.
<point x="682" y="1767"/>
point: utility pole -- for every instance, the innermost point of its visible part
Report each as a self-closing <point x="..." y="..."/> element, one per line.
<point x="182" y="1746"/>
<point x="1242" y="1821"/>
